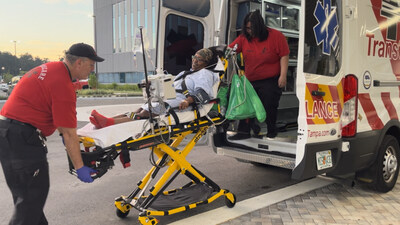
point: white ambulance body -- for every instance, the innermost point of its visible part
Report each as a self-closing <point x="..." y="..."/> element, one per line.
<point x="339" y="113"/>
<point x="348" y="93"/>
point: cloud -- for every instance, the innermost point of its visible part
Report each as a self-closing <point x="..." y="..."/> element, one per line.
<point x="75" y="1"/>
<point x="58" y="1"/>
<point x="51" y="1"/>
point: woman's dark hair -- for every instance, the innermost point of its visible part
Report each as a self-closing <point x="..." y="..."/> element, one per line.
<point x="258" y="28"/>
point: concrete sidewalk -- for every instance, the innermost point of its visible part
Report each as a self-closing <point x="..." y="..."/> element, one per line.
<point x="316" y="201"/>
<point x="332" y="204"/>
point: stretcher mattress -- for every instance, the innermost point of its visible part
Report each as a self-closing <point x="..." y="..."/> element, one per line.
<point x="114" y="134"/>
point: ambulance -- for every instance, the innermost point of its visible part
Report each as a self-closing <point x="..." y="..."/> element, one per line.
<point x="345" y="66"/>
<point x="339" y="112"/>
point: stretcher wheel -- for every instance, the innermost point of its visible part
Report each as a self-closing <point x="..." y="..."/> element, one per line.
<point x="121" y="214"/>
<point x="230" y="200"/>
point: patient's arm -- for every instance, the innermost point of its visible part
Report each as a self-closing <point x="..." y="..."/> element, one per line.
<point x="186" y="102"/>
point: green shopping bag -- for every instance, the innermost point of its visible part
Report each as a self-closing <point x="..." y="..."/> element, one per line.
<point x="243" y="101"/>
<point x="223" y="99"/>
<point x="255" y="101"/>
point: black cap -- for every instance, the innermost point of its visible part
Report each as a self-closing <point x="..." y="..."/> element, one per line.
<point x="84" y="50"/>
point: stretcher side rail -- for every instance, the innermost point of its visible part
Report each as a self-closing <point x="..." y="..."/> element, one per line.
<point x="101" y="158"/>
<point x="163" y="135"/>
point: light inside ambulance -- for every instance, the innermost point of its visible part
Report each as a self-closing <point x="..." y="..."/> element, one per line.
<point x="349" y="113"/>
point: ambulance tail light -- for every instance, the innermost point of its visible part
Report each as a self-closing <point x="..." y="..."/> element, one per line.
<point x="349" y="113"/>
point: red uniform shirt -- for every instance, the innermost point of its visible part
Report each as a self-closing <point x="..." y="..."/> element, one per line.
<point x="262" y="59"/>
<point x="44" y="98"/>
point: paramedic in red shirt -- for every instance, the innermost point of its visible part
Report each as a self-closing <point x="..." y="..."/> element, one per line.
<point x="43" y="100"/>
<point x="266" y="57"/>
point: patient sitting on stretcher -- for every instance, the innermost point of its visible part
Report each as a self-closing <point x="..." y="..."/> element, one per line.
<point x="191" y="86"/>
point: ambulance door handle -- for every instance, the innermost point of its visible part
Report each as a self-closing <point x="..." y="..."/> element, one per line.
<point x="318" y="93"/>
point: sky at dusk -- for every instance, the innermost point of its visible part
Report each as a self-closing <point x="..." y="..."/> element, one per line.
<point x="45" y="28"/>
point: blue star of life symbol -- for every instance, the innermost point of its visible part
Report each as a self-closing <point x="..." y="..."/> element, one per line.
<point x="326" y="30"/>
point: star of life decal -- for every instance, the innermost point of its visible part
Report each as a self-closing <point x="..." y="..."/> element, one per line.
<point x="326" y="30"/>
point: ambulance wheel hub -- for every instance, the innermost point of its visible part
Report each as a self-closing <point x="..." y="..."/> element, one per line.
<point x="389" y="164"/>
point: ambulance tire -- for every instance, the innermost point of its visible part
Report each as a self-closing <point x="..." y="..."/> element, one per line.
<point x="387" y="165"/>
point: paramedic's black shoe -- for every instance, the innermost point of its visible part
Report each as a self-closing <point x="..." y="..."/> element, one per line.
<point x="239" y="136"/>
<point x="272" y="135"/>
<point x="259" y="136"/>
<point x="256" y="129"/>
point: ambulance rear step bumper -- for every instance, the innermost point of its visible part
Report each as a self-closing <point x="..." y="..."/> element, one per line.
<point x="265" y="158"/>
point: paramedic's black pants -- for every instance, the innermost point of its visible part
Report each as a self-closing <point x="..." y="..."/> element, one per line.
<point x="25" y="167"/>
<point x="269" y="93"/>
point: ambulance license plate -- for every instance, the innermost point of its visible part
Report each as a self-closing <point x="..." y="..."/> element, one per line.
<point x="324" y="159"/>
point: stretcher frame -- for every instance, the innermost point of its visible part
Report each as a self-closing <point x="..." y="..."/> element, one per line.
<point x="164" y="142"/>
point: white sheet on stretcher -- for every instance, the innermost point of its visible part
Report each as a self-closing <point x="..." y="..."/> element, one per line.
<point x="114" y="134"/>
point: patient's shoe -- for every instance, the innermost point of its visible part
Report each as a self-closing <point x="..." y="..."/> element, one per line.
<point x="94" y="122"/>
<point x="100" y="121"/>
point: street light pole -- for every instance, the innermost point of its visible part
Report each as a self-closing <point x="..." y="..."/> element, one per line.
<point x="15" y="47"/>
<point x="95" y="40"/>
<point x="16" y="59"/>
<point x="2" y="72"/>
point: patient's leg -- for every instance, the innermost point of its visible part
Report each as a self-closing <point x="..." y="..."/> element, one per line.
<point x="101" y="121"/>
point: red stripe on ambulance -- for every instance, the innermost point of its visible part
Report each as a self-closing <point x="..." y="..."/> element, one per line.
<point x="310" y="87"/>
<point x="336" y="98"/>
<point x="373" y="119"/>
<point x="389" y="105"/>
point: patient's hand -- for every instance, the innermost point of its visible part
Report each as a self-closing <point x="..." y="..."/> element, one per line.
<point x="184" y="104"/>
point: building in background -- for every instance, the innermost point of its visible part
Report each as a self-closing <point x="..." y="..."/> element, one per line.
<point x="176" y="36"/>
<point x="116" y="26"/>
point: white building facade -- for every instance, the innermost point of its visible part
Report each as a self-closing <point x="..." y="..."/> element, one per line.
<point x="117" y="38"/>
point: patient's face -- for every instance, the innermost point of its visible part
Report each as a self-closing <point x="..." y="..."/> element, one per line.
<point x="198" y="62"/>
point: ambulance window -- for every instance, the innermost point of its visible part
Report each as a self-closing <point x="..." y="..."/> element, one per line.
<point x="183" y="37"/>
<point x="290" y="18"/>
<point x="282" y="16"/>
<point x="322" y="37"/>
<point x="192" y="7"/>
<point x="272" y="15"/>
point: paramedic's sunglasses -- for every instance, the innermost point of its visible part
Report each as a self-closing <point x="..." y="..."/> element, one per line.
<point x="198" y="58"/>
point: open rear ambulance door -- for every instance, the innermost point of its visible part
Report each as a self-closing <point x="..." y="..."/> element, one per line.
<point x="320" y="89"/>
<point x="185" y="27"/>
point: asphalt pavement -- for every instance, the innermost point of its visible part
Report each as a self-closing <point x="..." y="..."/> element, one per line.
<point x="72" y="202"/>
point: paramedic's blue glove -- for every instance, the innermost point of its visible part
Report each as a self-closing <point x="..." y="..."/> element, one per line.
<point x="84" y="174"/>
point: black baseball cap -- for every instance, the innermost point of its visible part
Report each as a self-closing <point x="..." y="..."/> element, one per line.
<point x="84" y="50"/>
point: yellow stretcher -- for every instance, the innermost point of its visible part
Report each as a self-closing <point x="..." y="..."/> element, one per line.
<point x="163" y="143"/>
<point x="163" y="139"/>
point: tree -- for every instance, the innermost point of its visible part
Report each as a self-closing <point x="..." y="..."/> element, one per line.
<point x="7" y="78"/>
<point x="93" y="82"/>
<point x="14" y="65"/>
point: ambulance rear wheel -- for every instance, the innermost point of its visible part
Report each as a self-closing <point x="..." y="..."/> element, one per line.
<point x="121" y="214"/>
<point x="387" y="164"/>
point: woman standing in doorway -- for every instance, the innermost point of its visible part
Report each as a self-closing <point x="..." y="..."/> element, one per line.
<point x="266" y="57"/>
